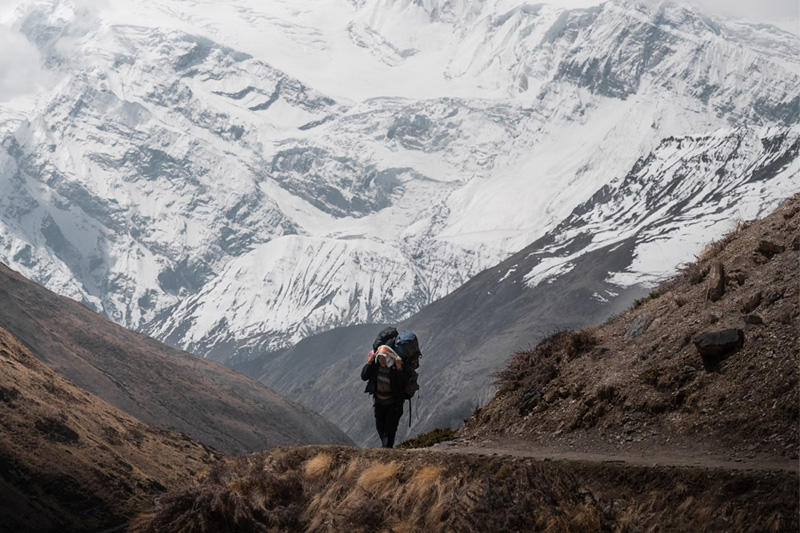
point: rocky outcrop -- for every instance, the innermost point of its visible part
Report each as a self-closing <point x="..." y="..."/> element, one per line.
<point x="715" y="346"/>
<point x="769" y="249"/>
<point x="638" y="326"/>
<point x="751" y="303"/>
<point x="716" y="282"/>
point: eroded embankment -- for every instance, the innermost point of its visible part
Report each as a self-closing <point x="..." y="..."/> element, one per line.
<point x="320" y="488"/>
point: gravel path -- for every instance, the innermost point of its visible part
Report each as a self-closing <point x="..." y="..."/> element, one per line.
<point x="668" y="458"/>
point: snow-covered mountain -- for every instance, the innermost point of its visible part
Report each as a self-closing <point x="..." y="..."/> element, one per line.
<point x="235" y="177"/>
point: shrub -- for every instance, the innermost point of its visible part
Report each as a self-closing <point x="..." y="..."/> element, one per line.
<point x="714" y="248"/>
<point x="428" y="439"/>
<point x="537" y="367"/>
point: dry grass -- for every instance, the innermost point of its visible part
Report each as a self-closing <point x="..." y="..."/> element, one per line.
<point x="425" y="479"/>
<point x="713" y="249"/>
<point x="537" y="367"/>
<point x="775" y="522"/>
<point x="317" y="465"/>
<point x="345" y="489"/>
<point x="378" y="476"/>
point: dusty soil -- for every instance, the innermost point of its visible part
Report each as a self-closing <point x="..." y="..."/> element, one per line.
<point x="71" y="462"/>
<point x="637" y="385"/>
<point x="653" y="457"/>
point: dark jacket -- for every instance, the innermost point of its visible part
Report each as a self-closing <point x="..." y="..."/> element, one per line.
<point x="398" y="379"/>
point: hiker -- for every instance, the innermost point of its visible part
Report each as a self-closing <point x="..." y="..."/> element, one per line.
<point x="386" y="379"/>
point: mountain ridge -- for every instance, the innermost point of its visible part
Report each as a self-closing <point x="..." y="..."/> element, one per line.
<point x="71" y="462"/>
<point x="157" y="384"/>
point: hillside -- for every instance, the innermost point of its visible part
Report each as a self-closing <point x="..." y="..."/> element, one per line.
<point x="71" y="462"/>
<point x="639" y="381"/>
<point x="159" y="385"/>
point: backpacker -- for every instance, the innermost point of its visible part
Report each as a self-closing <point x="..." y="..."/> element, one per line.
<point x="406" y="345"/>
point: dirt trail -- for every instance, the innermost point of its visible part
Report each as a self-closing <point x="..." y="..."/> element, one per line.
<point x="673" y="458"/>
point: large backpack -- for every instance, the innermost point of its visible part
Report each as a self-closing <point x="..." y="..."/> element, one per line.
<point x="386" y="337"/>
<point x="407" y="347"/>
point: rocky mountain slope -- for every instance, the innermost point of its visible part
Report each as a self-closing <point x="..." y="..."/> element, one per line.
<point x="71" y="462"/>
<point x="234" y="181"/>
<point x="159" y="385"/>
<point x="589" y="267"/>
<point x="707" y="362"/>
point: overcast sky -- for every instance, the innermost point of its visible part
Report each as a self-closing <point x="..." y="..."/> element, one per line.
<point x="783" y="13"/>
<point x="20" y="70"/>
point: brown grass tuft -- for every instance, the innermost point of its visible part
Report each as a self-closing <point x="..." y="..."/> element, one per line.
<point x="625" y="520"/>
<point x="423" y="481"/>
<point x="686" y="505"/>
<point x="378" y="477"/>
<point x="586" y="518"/>
<point x="318" y="465"/>
<point x="775" y="522"/>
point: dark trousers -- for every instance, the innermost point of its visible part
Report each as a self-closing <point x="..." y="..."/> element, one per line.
<point x="387" y="417"/>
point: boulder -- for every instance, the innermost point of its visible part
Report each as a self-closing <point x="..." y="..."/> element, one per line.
<point x="550" y="396"/>
<point x="716" y="346"/>
<point x="751" y="303"/>
<point x="637" y="327"/>
<point x="768" y="248"/>
<point x="716" y="282"/>
<point x="680" y="300"/>
<point x="753" y="319"/>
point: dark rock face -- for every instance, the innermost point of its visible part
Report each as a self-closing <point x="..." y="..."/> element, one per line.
<point x="716" y="282"/>
<point x="716" y="346"/>
<point x="753" y="319"/>
<point x="638" y="326"/>
<point x="769" y="249"/>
